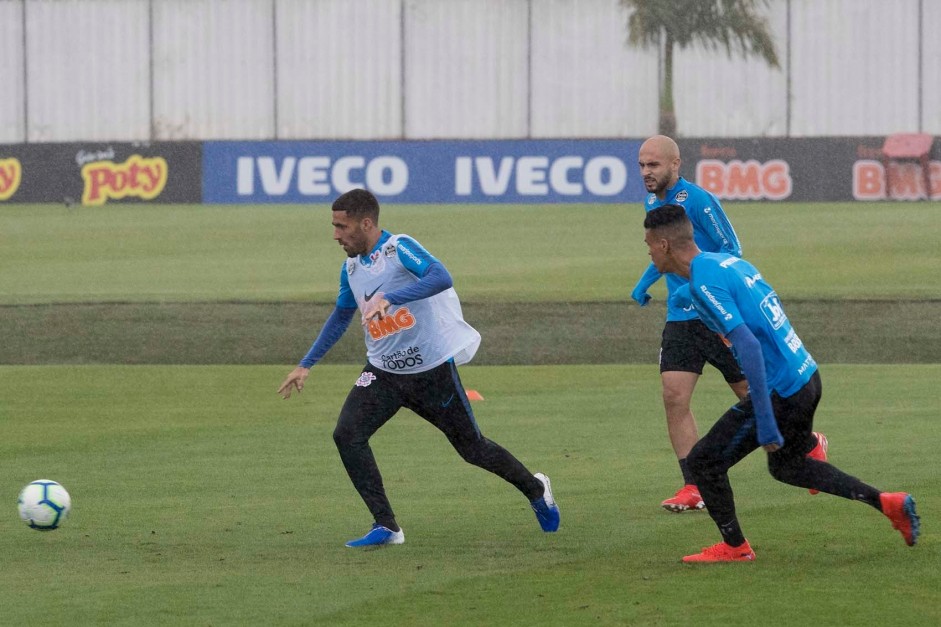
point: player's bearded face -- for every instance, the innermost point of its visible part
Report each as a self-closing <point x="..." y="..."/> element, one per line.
<point x="656" y="182"/>
<point x="657" y="170"/>
<point x="349" y="234"/>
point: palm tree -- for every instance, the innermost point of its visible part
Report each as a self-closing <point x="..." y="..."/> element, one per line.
<point x="735" y="25"/>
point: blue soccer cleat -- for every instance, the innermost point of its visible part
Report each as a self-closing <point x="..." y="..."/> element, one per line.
<point x="378" y="536"/>
<point x="547" y="512"/>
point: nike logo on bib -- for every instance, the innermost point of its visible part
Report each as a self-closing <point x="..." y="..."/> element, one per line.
<point x="372" y="293"/>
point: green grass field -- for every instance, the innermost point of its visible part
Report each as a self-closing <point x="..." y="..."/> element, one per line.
<point x="200" y="497"/>
<point x="539" y="253"/>
<point x="544" y="284"/>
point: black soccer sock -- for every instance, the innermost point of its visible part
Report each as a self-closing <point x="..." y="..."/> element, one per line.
<point x="687" y="476"/>
<point x="389" y="524"/>
<point x="731" y="533"/>
<point x="809" y="473"/>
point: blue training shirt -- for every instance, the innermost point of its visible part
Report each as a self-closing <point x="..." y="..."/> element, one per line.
<point x="712" y="232"/>
<point x="728" y="292"/>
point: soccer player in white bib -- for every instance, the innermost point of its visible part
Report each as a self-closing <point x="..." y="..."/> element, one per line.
<point x="416" y="337"/>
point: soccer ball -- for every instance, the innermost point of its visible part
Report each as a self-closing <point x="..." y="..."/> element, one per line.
<point x="44" y="505"/>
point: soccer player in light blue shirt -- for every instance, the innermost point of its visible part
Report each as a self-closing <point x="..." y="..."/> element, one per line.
<point x="734" y="299"/>
<point x="687" y="345"/>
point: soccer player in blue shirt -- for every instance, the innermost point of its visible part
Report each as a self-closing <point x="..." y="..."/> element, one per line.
<point x="416" y="337"/>
<point x="686" y="344"/>
<point x="735" y="300"/>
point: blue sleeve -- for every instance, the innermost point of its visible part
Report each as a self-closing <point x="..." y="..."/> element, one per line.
<point x="748" y="351"/>
<point x="712" y="222"/>
<point x="345" y="298"/>
<point x="413" y="256"/>
<point x="727" y="238"/>
<point x="330" y="334"/>
<point x="435" y="280"/>
<point x="650" y="276"/>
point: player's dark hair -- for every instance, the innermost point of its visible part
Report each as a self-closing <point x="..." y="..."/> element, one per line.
<point x="358" y="204"/>
<point x="671" y="219"/>
<point x="664" y="215"/>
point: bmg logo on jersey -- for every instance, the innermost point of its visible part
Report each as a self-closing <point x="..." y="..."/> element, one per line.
<point x="773" y="311"/>
<point x="391" y="324"/>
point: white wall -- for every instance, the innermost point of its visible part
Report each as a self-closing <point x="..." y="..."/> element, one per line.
<point x="466" y="67"/>
<point x="339" y="69"/>
<point x="858" y="74"/>
<point x="716" y="95"/>
<point x="86" y="70"/>
<point x="12" y="106"/>
<point x="585" y="81"/>
<point x="422" y="69"/>
<point x="931" y="68"/>
<point x="213" y="69"/>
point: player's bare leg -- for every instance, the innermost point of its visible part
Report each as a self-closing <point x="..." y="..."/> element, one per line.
<point x="678" y="389"/>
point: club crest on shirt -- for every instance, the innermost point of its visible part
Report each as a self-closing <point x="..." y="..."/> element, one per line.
<point x="389" y="250"/>
<point x="350" y="266"/>
<point x="683" y="195"/>
<point x="365" y="379"/>
<point x="374" y="263"/>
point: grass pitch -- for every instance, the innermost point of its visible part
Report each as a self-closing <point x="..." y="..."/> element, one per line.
<point x="544" y="284"/>
<point x="507" y="253"/>
<point x="200" y="497"/>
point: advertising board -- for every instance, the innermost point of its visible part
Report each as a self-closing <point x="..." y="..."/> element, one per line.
<point x="93" y="173"/>
<point x="500" y="171"/>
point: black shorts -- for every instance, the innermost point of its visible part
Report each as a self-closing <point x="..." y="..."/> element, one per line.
<point x="687" y="346"/>
<point x="436" y="395"/>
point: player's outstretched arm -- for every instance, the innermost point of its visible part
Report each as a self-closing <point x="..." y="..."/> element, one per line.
<point x="650" y="276"/>
<point x="332" y="331"/>
<point x="294" y="381"/>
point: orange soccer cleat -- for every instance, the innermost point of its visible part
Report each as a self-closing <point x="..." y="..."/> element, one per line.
<point x="687" y="497"/>
<point x="722" y="552"/>
<point x="899" y="507"/>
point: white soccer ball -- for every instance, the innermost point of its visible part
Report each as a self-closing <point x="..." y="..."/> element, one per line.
<point x="44" y="505"/>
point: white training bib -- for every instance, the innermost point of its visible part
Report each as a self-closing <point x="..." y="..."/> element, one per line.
<point x="416" y="336"/>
